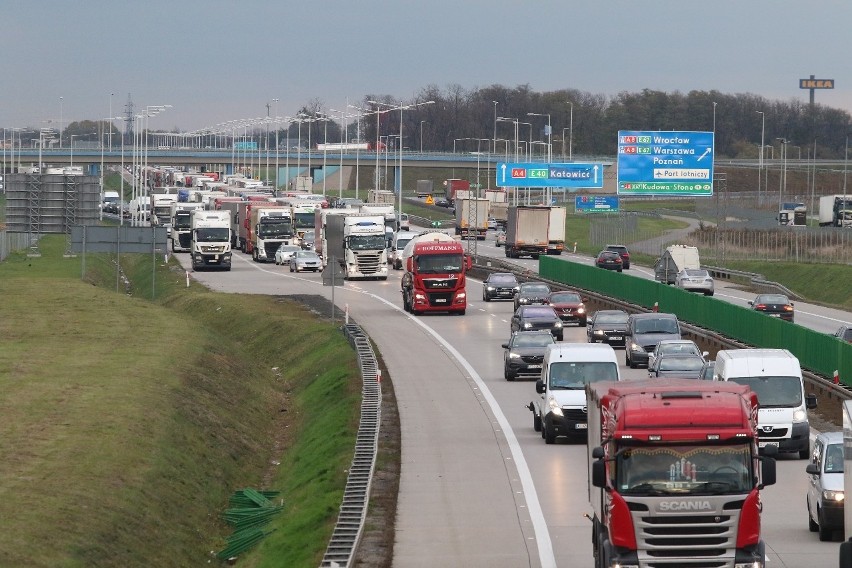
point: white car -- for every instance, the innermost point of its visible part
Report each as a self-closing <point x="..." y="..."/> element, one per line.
<point x="695" y="280"/>
<point x="285" y="253"/>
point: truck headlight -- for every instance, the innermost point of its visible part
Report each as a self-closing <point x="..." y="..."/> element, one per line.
<point x="527" y="325"/>
<point x="829" y="495"/>
<point x="800" y="415"/>
<point x="553" y="406"/>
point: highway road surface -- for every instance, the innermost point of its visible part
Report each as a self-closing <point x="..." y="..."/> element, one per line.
<point x="478" y="485"/>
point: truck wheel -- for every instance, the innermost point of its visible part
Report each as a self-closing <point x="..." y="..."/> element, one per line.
<point x="536" y="422"/>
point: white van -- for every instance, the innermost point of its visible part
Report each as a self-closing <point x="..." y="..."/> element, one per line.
<point x="560" y="410"/>
<point x="776" y="377"/>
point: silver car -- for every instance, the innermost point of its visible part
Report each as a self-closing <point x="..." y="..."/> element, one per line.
<point x="695" y="280"/>
<point x="285" y="253"/>
<point x="305" y="260"/>
<point x="825" y="488"/>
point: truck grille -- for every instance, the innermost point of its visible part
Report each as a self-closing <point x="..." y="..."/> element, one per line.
<point x="675" y="539"/>
<point x="270" y="249"/>
<point x="212" y="248"/>
<point x="440" y="283"/>
<point x="367" y="263"/>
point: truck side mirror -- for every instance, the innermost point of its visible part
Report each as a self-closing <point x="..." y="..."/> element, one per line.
<point x="599" y="473"/>
<point x="810" y="401"/>
<point x="767" y="471"/>
<point x="468" y="262"/>
<point x="409" y="264"/>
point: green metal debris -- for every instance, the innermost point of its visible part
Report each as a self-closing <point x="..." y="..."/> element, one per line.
<point x="249" y="511"/>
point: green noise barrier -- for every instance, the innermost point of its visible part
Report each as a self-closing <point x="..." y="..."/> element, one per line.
<point x="819" y="352"/>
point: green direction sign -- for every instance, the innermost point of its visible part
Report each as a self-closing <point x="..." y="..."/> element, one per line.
<point x="664" y="188"/>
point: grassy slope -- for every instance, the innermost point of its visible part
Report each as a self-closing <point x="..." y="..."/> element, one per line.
<point x="128" y="423"/>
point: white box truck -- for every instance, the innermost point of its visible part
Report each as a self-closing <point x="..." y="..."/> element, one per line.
<point x="472" y="217"/>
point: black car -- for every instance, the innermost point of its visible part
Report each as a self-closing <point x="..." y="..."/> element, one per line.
<point x="499" y="285"/>
<point x="676" y="366"/>
<point x="844" y="333"/>
<point x="706" y="372"/>
<point x="644" y="331"/>
<point x="531" y="293"/>
<point x="622" y="252"/>
<point x="442" y="203"/>
<point x="610" y="260"/>
<point x="529" y="318"/>
<point x="607" y="326"/>
<point x="524" y="354"/>
<point x="776" y="305"/>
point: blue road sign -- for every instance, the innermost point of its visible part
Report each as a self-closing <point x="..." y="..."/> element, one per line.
<point x="569" y="175"/>
<point x="596" y="203"/>
<point x="665" y="163"/>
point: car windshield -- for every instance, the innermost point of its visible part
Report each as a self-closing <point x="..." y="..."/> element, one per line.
<point x="566" y="298"/>
<point x="611" y="318"/>
<point x="681" y="363"/>
<point x="833" y="458"/>
<point x="662" y="325"/>
<point x="616" y="248"/>
<point x="536" y="289"/>
<point x="306" y="255"/>
<point x="774" y="392"/>
<point x="400" y="243"/>
<point x="288" y="248"/>
<point x="532" y="340"/>
<point x="503" y="280"/>
<point x="665" y="347"/>
<point x="538" y="312"/>
<point x="576" y="375"/>
<point x="439" y="263"/>
<point x="684" y="470"/>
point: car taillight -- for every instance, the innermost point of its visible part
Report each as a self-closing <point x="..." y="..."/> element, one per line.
<point x="788" y="308"/>
<point x="760" y="307"/>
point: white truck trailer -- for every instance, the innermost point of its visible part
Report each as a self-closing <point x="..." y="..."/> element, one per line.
<point x="674" y="259"/>
<point x="472" y="217"/>
<point x="556" y="230"/>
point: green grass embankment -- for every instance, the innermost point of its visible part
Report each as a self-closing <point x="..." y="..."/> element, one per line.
<point x="127" y="423"/>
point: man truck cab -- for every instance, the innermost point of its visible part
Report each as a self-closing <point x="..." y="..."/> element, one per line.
<point x="776" y="377"/>
<point x="560" y="409"/>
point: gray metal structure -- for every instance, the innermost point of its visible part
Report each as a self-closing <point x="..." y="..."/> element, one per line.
<point x="38" y="204"/>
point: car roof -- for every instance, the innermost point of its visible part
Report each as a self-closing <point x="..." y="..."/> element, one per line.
<point x="616" y="246"/>
<point x="831" y="437"/>
<point x="653" y="315"/>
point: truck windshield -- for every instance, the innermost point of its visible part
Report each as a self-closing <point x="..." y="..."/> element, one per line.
<point x="304" y="220"/>
<point x="575" y="375"/>
<point x="212" y="235"/>
<point x="688" y="469"/>
<point x="774" y="392"/>
<point x="439" y="263"/>
<point x="280" y="229"/>
<point x="367" y="242"/>
<point x="182" y="221"/>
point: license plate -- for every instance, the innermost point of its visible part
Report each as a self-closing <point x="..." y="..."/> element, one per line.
<point x="767" y="444"/>
<point x="533" y="366"/>
<point x="581" y="426"/>
<point x="775" y="315"/>
<point x="616" y="337"/>
<point x="440" y="300"/>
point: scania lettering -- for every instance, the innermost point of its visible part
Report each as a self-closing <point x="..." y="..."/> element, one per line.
<point x="675" y="475"/>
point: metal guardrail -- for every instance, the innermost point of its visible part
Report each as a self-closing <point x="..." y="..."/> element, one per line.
<point x="353" y="510"/>
<point x="759" y="281"/>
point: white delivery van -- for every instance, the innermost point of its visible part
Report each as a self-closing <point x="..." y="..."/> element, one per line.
<point x="560" y="409"/>
<point x="776" y="377"/>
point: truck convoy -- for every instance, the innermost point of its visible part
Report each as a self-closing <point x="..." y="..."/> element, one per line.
<point x="270" y="226"/>
<point x="674" y="259"/>
<point x="357" y="242"/>
<point x="835" y="211"/>
<point x="556" y="230"/>
<point x="675" y="475"/>
<point x="472" y="218"/>
<point x="434" y="279"/>
<point x="211" y="239"/>
<point x="181" y="222"/>
<point x="527" y="231"/>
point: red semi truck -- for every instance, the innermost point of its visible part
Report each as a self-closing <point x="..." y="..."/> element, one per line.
<point x="434" y="280"/>
<point x="675" y="475"/>
<point x="453" y="185"/>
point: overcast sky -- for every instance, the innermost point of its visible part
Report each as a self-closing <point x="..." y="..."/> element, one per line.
<point x="219" y="60"/>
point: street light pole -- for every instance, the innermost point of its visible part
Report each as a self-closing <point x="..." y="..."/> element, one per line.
<point x="60" y="122"/>
<point x="494" y="143"/>
<point x="277" y="149"/>
<point x="782" y="181"/>
<point x="760" y="164"/>
<point x="570" y="132"/>
<point x="421" y="135"/>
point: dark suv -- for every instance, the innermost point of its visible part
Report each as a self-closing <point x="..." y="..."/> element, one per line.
<point x="623" y="253"/>
<point x="644" y="331"/>
<point x="499" y="285"/>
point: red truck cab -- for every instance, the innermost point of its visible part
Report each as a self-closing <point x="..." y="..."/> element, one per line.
<point x="434" y="279"/>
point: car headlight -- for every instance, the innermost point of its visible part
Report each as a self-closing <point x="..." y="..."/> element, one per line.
<point x="527" y="325"/>
<point x="553" y="406"/>
<point x="516" y="289"/>
<point x="635" y="347"/>
<point x="523" y="300"/>
<point x="513" y="355"/>
<point x="557" y="324"/>
<point x="581" y="309"/>
<point x="598" y="332"/>
<point x="800" y="415"/>
<point x="830" y="495"/>
<point x="490" y="288"/>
